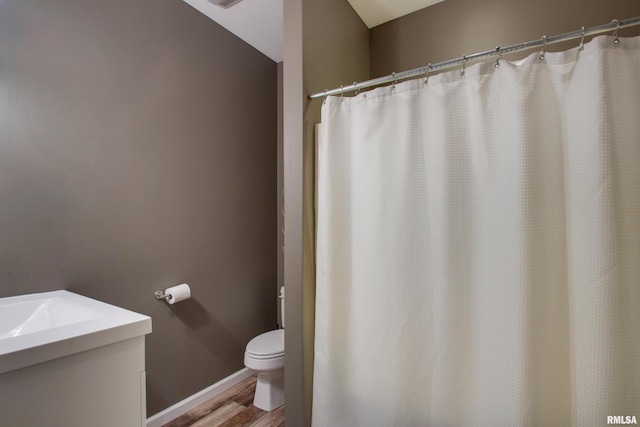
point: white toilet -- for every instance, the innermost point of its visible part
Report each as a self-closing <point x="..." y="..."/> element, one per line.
<point x="265" y="355"/>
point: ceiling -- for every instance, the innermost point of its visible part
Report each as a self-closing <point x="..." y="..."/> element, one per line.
<point x="260" y="22"/>
<point x="257" y="22"/>
<point x="376" y="12"/>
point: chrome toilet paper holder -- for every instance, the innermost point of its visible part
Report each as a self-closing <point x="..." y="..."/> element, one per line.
<point x="174" y="294"/>
<point x="160" y="295"/>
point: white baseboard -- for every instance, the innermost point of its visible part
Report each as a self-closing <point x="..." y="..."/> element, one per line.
<point x="184" y="406"/>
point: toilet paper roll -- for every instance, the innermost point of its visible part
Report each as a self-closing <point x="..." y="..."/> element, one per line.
<point x="178" y="293"/>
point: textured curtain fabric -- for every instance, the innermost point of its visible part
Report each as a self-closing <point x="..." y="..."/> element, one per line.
<point x="478" y="246"/>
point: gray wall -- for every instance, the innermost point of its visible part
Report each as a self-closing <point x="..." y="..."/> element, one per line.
<point x="293" y="102"/>
<point x="326" y="45"/>
<point x="138" y="151"/>
<point x="280" y="190"/>
<point x="456" y="27"/>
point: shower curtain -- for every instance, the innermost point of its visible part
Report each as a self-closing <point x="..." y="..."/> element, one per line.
<point x="478" y="246"/>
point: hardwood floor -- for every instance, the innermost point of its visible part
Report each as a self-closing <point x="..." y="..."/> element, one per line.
<point x="233" y="408"/>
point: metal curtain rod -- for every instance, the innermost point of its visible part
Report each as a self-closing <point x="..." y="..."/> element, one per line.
<point x="613" y="25"/>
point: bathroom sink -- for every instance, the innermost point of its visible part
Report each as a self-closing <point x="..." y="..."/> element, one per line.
<point x="68" y="360"/>
<point x="38" y="327"/>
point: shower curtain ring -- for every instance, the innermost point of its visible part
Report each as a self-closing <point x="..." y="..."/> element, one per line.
<point x="426" y="79"/>
<point x="581" y="47"/>
<point x="544" y="38"/>
<point x="499" y="56"/>
<point x="393" y="75"/>
<point x="464" y="64"/>
<point x="357" y="89"/>
<point x="324" y="100"/>
<point x="341" y="91"/>
<point x="615" y="32"/>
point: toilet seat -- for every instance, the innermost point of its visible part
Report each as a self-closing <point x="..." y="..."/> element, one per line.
<point x="269" y="345"/>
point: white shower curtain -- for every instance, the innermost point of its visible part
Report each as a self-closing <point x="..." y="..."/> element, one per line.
<point x="478" y="246"/>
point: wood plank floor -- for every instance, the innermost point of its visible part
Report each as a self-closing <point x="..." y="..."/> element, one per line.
<point x="232" y="408"/>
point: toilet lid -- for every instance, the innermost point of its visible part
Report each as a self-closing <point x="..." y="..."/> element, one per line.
<point x="269" y="344"/>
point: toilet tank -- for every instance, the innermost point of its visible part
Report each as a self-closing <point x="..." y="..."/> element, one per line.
<point x="282" y="304"/>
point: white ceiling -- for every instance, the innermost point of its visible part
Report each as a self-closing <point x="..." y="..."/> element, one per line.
<point x="260" y="22"/>
<point x="376" y="12"/>
<point x="257" y="22"/>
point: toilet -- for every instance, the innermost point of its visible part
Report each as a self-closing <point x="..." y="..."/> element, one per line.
<point x="265" y="356"/>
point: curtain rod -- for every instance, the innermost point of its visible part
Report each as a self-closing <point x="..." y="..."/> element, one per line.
<point x="613" y="25"/>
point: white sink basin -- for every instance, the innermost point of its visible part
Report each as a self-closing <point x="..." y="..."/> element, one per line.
<point x="39" y="327"/>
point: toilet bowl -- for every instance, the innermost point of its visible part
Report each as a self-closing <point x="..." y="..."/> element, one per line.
<point x="265" y="356"/>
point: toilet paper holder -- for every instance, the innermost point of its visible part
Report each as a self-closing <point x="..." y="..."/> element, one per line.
<point x="160" y="295"/>
<point x="174" y="294"/>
